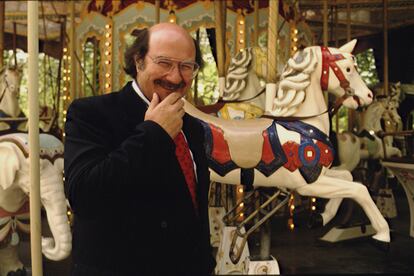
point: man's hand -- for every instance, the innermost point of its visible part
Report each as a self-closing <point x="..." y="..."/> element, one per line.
<point x="168" y="113"/>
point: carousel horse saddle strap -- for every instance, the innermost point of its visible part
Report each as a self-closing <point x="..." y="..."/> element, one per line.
<point x="50" y="147"/>
<point x="244" y="139"/>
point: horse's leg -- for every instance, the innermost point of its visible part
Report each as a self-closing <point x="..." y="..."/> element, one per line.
<point x="329" y="187"/>
<point x="331" y="208"/>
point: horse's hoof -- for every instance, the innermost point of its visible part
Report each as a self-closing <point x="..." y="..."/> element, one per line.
<point x="315" y="221"/>
<point x="381" y="245"/>
<point x="19" y="272"/>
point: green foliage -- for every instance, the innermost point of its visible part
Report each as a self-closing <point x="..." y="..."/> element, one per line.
<point x="366" y="67"/>
<point x="90" y="81"/>
<point x="207" y="79"/>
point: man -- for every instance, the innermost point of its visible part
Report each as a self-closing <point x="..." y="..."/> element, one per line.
<point x="136" y="212"/>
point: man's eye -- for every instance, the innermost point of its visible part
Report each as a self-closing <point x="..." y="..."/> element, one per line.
<point x="164" y="63"/>
<point x="186" y="67"/>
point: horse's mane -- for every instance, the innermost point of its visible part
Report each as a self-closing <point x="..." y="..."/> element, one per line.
<point x="293" y="82"/>
<point x="237" y="74"/>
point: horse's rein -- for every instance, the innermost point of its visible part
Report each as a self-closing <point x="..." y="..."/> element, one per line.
<point x="220" y="100"/>
<point x="4" y="90"/>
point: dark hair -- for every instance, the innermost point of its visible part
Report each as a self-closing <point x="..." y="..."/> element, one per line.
<point x="139" y="49"/>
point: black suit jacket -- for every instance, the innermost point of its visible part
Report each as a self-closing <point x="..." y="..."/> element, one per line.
<point x="133" y="211"/>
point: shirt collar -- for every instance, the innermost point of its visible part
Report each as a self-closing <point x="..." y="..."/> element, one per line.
<point x="139" y="92"/>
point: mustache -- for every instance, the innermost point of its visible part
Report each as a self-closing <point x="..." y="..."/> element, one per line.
<point x="169" y="85"/>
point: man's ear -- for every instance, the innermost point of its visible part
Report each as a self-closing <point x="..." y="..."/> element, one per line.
<point x="139" y="63"/>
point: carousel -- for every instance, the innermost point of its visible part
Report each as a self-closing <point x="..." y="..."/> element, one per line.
<point x="307" y="108"/>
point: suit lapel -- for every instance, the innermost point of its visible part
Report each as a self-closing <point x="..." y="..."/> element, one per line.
<point x="134" y="107"/>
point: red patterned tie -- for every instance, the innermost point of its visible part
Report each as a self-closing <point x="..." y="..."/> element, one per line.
<point x="186" y="163"/>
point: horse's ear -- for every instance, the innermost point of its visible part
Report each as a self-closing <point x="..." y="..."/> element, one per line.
<point x="348" y="47"/>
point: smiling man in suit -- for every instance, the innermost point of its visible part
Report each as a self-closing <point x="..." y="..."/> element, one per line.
<point x="136" y="173"/>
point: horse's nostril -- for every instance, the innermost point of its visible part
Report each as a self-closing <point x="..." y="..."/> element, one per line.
<point x="370" y="95"/>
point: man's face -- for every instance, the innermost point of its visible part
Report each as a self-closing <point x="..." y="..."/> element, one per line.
<point x="153" y="76"/>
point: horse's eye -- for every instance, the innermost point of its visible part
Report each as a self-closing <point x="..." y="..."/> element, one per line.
<point x="348" y="69"/>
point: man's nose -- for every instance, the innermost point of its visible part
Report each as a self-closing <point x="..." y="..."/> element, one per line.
<point x="174" y="75"/>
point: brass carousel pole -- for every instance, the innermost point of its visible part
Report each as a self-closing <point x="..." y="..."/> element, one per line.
<point x="325" y="32"/>
<point x="218" y="9"/>
<point x="72" y="53"/>
<point x="351" y="112"/>
<point x="272" y="48"/>
<point x="33" y="59"/>
<point x="256" y="24"/>
<point x="157" y="11"/>
<point x="2" y="17"/>
<point x="385" y="27"/>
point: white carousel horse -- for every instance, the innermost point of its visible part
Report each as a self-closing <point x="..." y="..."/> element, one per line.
<point x="295" y="155"/>
<point x="9" y="92"/>
<point x="9" y="105"/>
<point x="14" y="199"/>
<point x="381" y="115"/>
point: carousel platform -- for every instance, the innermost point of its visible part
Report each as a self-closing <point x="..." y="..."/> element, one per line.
<point x="302" y="252"/>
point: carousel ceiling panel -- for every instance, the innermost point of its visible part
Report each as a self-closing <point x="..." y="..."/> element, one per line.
<point x="366" y="15"/>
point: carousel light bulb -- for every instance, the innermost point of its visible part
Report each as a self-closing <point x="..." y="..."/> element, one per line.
<point x="107" y="85"/>
<point x="295" y="48"/>
<point x="107" y="35"/>
<point x="313" y="199"/>
<point x="241" y="50"/>
<point x="371" y="132"/>
<point x="292" y="207"/>
<point x="64" y="78"/>
<point x="107" y="26"/>
<point x="107" y="53"/>
<point x="107" y="43"/>
<point x="68" y="57"/>
<point x="68" y="71"/>
<point x="171" y="20"/>
<point x="291" y="226"/>
<point x="241" y="204"/>
<point x="64" y="134"/>
<point x="64" y="71"/>
<point x="295" y="31"/>
<point x="241" y="22"/>
<point x="241" y="41"/>
<point x="241" y="32"/>
<point x="64" y="119"/>
<point x="65" y="50"/>
<point x="107" y="75"/>
<point x="64" y="112"/>
<point x="240" y="190"/>
<point x="65" y="98"/>
<point x="65" y="56"/>
<point x="313" y="208"/>
<point x="107" y="62"/>
<point x="241" y="215"/>
<point x="295" y="39"/>
<point x="68" y="78"/>
<point x="65" y="88"/>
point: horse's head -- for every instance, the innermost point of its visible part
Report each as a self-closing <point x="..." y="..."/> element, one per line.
<point x="9" y="90"/>
<point x="10" y="79"/>
<point x="339" y="76"/>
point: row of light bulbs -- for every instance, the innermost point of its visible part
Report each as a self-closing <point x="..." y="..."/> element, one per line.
<point x="66" y="84"/>
<point x="107" y="58"/>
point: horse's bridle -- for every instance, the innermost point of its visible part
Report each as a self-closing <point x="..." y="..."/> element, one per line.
<point x="5" y="88"/>
<point x="329" y="61"/>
